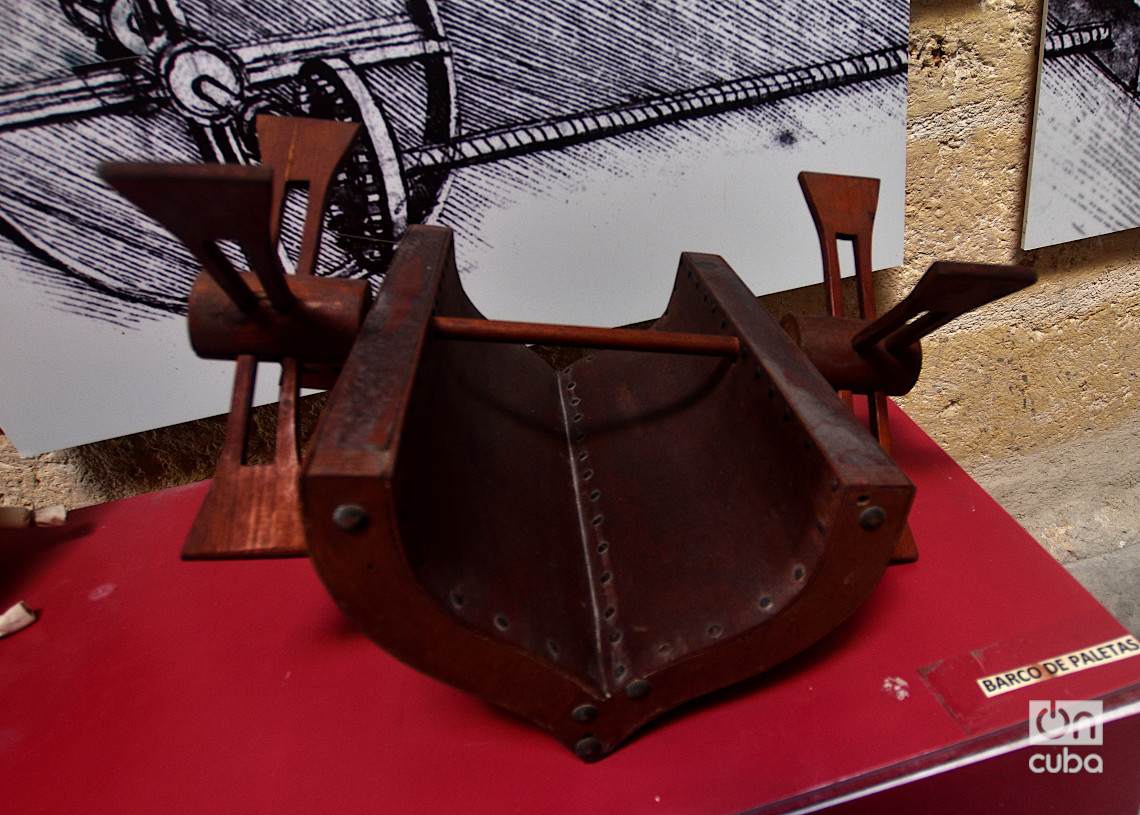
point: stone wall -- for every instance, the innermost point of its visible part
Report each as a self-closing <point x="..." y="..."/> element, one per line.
<point x="1043" y="367"/>
<point x="1052" y="363"/>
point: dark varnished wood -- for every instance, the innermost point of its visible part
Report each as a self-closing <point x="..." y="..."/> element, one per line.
<point x="614" y="539"/>
<point x="827" y="342"/>
<point x="885" y="355"/>
<point x="843" y="208"/>
<point x="586" y="548"/>
<point x="321" y="327"/>
<point x="266" y="520"/>
<point x="203" y="204"/>
<point x="881" y="356"/>
<point x="253" y="510"/>
<point x="946" y="291"/>
<point x="572" y="336"/>
<point x="304" y="152"/>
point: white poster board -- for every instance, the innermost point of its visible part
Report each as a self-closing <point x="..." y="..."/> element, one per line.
<point x="575" y="147"/>
<point x="1084" y="177"/>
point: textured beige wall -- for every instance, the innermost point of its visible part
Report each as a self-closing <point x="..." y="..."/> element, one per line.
<point x="130" y="465"/>
<point x="1045" y="366"/>
<point x="1051" y="363"/>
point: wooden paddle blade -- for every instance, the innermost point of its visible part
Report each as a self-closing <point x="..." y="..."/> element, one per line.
<point x="843" y="208"/>
<point x="252" y="510"/>
<point x="308" y="151"/>
<point x="945" y="292"/>
<point x="202" y="204"/>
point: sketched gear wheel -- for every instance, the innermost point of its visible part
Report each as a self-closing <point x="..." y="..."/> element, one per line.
<point x="373" y="201"/>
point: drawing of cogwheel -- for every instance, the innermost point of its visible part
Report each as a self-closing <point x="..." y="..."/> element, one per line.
<point x="172" y="81"/>
<point x="158" y="87"/>
<point x="372" y="201"/>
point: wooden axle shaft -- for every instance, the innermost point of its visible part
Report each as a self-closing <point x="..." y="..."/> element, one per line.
<point x="630" y="339"/>
<point x="323" y="326"/>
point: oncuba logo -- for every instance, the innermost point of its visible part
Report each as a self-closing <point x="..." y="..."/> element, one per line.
<point x="1064" y="722"/>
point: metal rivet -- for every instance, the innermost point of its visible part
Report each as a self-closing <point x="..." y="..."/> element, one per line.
<point x="350" y="517"/>
<point x="872" y="518"/>
<point x="584" y="714"/>
<point x="587" y="747"/>
<point x="638" y="688"/>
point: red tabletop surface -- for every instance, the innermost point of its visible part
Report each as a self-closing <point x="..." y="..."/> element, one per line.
<point x="153" y="685"/>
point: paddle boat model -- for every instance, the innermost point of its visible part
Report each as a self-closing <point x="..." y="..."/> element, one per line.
<point x="680" y="509"/>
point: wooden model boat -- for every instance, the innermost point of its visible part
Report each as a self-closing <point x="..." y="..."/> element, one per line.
<point x="586" y="548"/>
<point x="592" y="547"/>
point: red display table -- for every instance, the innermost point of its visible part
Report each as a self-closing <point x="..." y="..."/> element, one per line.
<point x="153" y="685"/>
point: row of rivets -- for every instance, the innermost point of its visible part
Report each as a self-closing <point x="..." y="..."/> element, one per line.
<point x="604" y="588"/>
<point x="872" y="517"/>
